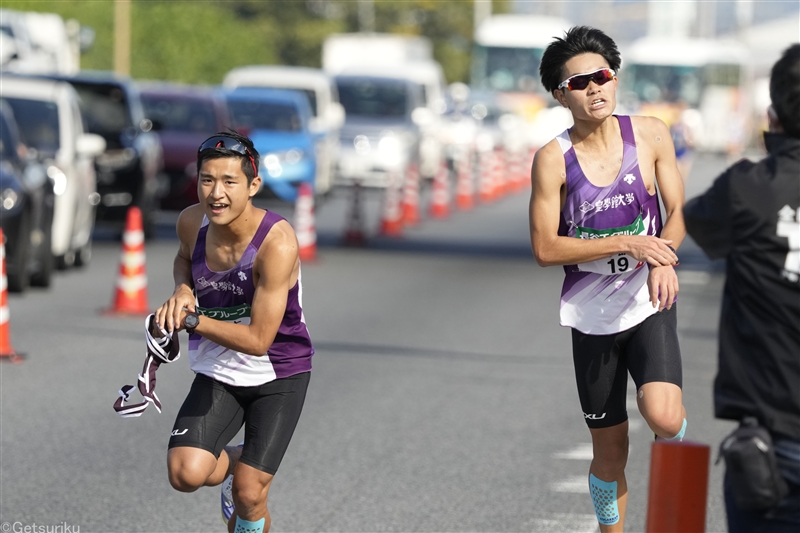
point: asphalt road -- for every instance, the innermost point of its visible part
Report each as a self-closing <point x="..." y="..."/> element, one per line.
<point x="442" y="396"/>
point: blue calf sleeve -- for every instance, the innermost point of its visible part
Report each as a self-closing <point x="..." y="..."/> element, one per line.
<point x="604" y="497"/>
<point x="681" y="433"/>
<point x="243" y="526"/>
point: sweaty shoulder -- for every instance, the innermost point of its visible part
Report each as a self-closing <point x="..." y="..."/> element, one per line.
<point x="549" y="162"/>
<point x="280" y="239"/>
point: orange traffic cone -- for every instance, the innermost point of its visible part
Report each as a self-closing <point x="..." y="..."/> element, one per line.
<point x="392" y="217"/>
<point x="131" y="290"/>
<point x="6" y="351"/>
<point x="676" y="501"/>
<point x="499" y="176"/>
<point x="354" y="235"/>
<point x="304" y="223"/>
<point x="411" y="196"/>
<point x="486" y="186"/>
<point x="440" y="195"/>
<point x="465" y="192"/>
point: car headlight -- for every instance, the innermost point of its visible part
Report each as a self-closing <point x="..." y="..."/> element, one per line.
<point x="9" y="199"/>
<point x="274" y="162"/>
<point x="390" y="149"/>
<point x="59" y="179"/>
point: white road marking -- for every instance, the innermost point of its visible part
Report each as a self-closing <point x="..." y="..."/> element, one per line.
<point x="693" y="277"/>
<point x="565" y="523"/>
<point x="573" y="484"/>
<point x="581" y="452"/>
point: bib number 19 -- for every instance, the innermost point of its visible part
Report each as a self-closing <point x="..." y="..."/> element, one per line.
<point x="618" y="264"/>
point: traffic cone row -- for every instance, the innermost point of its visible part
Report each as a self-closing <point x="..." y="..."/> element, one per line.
<point x="411" y="196"/>
<point x="440" y="194"/>
<point x="465" y="191"/>
<point x="7" y="353"/>
<point x="392" y="217"/>
<point x="305" y="227"/>
<point x="131" y="290"/>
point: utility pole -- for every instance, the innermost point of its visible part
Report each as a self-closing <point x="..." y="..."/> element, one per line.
<point x="122" y="37"/>
<point x="482" y="9"/>
<point x="366" y="16"/>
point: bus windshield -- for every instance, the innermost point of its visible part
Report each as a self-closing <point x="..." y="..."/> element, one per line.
<point x="677" y="83"/>
<point x="507" y="69"/>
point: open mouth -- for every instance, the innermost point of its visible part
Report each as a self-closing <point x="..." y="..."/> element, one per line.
<point x="597" y="103"/>
<point x="217" y="208"/>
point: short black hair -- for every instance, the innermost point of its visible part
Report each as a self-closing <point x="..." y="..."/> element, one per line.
<point x="577" y="40"/>
<point x="248" y="167"/>
<point x="784" y="90"/>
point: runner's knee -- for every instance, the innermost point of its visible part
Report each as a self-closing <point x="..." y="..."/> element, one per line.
<point x="249" y="495"/>
<point x="188" y="471"/>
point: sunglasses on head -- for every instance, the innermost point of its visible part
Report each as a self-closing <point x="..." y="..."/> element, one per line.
<point x="228" y="143"/>
<point x="579" y="82"/>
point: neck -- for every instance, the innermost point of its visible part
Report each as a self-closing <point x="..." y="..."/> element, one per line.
<point x="593" y="133"/>
<point x="239" y="229"/>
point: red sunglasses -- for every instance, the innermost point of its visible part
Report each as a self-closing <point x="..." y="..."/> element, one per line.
<point x="228" y="143"/>
<point x="579" y="82"/>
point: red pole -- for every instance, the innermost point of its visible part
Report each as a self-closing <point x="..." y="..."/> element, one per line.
<point x="678" y="487"/>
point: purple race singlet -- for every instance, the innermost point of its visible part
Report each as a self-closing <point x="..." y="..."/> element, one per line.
<point x="608" y="295"/>
<point x="228" y="296"/>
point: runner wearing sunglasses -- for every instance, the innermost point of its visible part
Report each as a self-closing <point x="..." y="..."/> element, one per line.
<point x="238" y="295"/>
<point x="595" y="210"/>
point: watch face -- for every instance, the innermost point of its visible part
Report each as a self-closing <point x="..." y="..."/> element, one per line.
<point x="191" y="320"/>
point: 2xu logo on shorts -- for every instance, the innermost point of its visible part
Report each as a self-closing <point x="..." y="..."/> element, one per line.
<point x="592" y="416"/>
<point x="178" y="432"/>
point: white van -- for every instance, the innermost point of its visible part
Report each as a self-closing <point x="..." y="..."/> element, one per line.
<point x="328" y="113"/>
<point x="50" y="123"/>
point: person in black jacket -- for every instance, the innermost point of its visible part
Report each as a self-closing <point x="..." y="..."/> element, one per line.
<point x="751" y="217"/>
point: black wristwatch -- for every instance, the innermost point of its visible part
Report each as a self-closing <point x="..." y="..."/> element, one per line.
<point x="191" y="321"/>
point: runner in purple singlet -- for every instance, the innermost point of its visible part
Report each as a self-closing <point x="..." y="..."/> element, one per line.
<point x="238" y="294"/>
<point x="595" y="210"/>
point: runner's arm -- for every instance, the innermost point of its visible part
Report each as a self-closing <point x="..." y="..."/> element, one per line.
<point x="544" y="214"/>
<point x="170" y="314"/>
<point x="275" y="265"/>
<point x="670" y="182"/>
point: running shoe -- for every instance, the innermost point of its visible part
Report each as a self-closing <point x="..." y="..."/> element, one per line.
<point x="227" y="499"/>
<point x="226" y="496"/>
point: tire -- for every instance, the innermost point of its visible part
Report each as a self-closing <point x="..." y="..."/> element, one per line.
<point x="84" y="255"/>
<point x="20" y="279"/>
<point x="44" y="276"/>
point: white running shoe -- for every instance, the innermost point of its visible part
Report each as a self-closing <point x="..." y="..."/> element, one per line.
<point x="226" y="496"/>
<point x="227" y="499"/>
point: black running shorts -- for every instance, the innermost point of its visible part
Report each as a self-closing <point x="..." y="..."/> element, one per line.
<point x="213" y="413"/>
<point x="649" y="351"/>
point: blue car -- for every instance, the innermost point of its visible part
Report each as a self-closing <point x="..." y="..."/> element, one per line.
<point x="278" y="123"/>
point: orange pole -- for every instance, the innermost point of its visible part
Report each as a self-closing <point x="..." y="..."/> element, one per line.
<point x="678" y="487"/>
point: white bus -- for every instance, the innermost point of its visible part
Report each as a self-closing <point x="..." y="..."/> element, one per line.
<point x="505" y="60"/>
<point x="705" y="84"/>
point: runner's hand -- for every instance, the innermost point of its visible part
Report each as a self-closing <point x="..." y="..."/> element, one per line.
<point x="170" y="315"/>
<point x="662" y="282"/>
<point x="652" y="250"/>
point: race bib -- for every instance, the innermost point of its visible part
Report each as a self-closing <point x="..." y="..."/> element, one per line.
<point x="616" y="264"/>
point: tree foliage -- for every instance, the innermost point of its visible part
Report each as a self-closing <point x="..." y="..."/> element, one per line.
<point x="199" y="41"/>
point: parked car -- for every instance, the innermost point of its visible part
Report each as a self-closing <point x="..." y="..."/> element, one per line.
<point x="381" y="131"/>
<point x="278" y="122"/>
<point x="26" y="209"/>
<point x="130" y="171"/>
<point x="327" y="114"/>
<point x="49" y="121"/>
<point x="183" y="116"/>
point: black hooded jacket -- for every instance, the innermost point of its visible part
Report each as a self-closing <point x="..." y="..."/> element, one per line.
<point x="751" y="217"/>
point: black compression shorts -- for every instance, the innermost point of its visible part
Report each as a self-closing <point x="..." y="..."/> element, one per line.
<point x="213" y="413"/>
<point x="649" y="351"/>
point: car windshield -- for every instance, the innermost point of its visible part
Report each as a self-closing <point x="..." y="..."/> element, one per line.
<point x="38" y="124"/>
<point x="311" y="94"/>
<point x="105" y="108"/>
<point x="180" y="114"/>
<point x="263" y="115"/>
<point x="664" y="83"/>
<point x="507" y="69"/>
<point x="373" y="98"/>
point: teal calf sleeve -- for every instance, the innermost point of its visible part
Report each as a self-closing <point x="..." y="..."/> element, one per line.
<point x="681" y="433"/>
<point x="604" y="497"/>
<point x="243" y="526"/>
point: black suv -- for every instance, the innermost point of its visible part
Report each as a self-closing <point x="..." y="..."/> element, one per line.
<point x="130" y="172"/>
